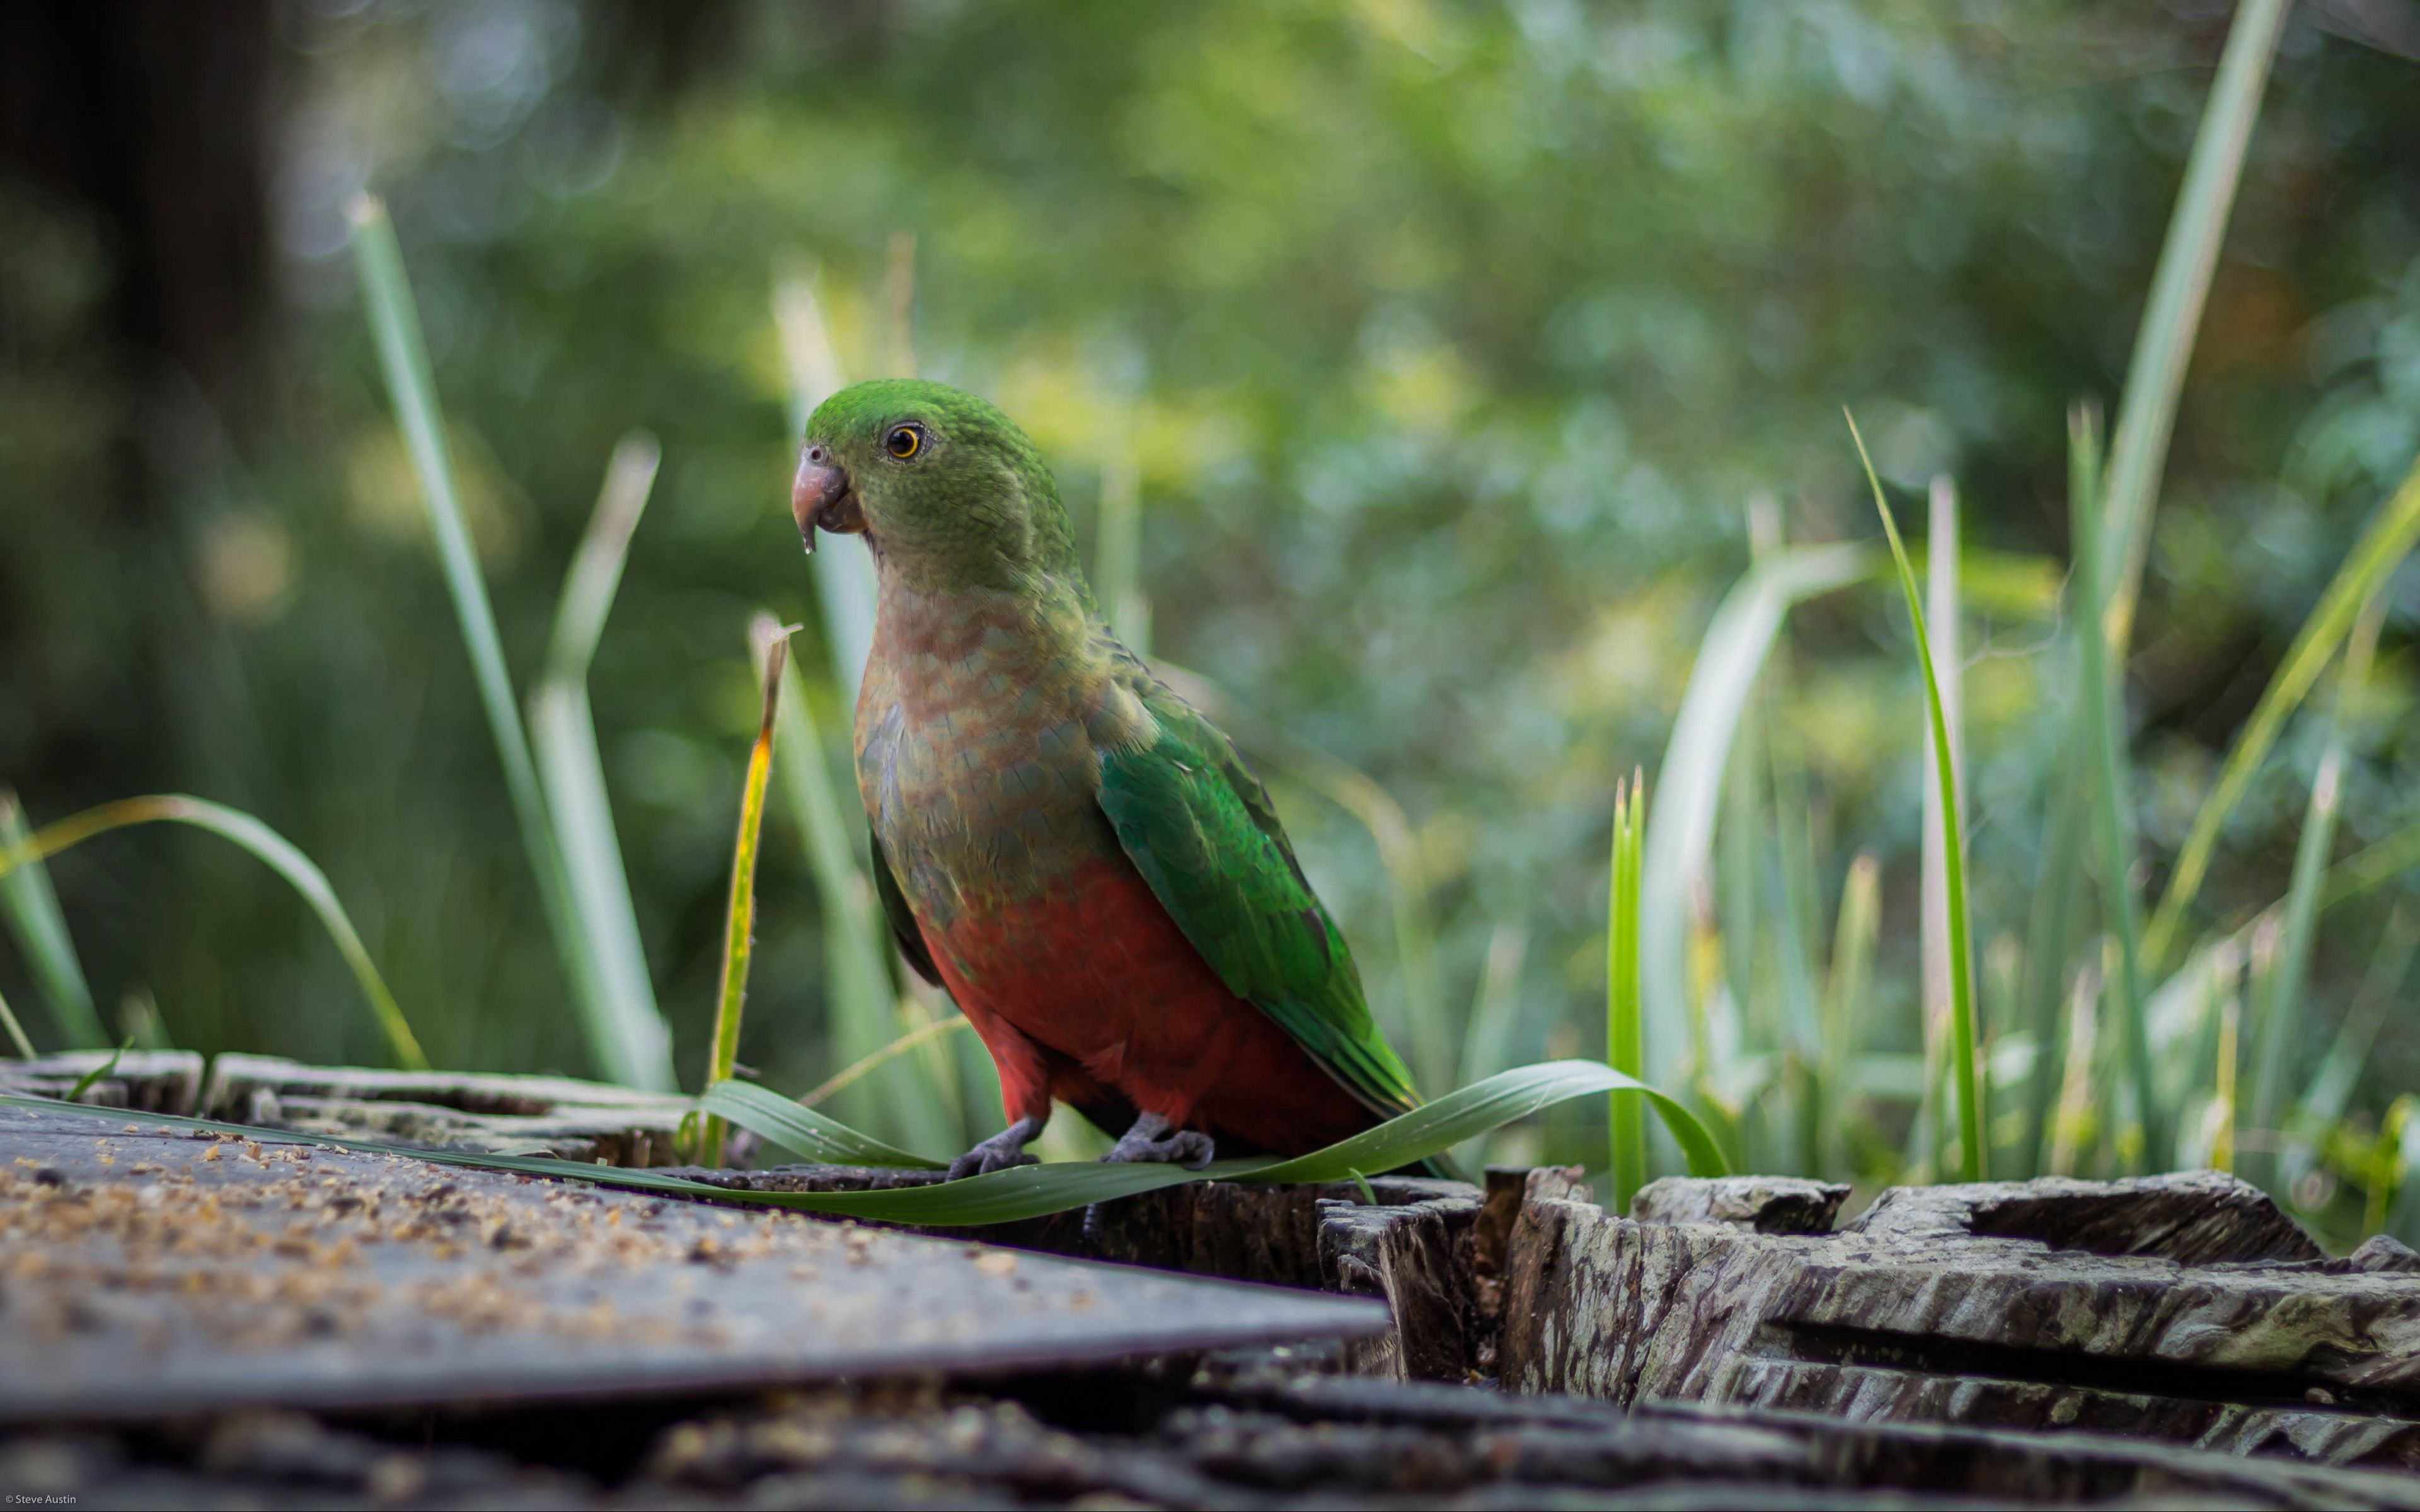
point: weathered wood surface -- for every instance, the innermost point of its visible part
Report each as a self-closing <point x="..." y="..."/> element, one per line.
<point x="148" y="1081"/>
<point x="1918" y="1336"/>
<point x="149" y="1271"/>
<point x="559" y="1116"/>
<point x="1412" y="1248"/>
<point x="2183" y="1308"/>
<point x="1229" y="1434"/>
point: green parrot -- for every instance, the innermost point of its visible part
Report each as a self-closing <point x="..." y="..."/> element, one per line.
<point x="1060" y="841"/>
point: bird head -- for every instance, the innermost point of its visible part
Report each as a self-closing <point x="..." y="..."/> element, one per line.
<point x="944" y="486"/>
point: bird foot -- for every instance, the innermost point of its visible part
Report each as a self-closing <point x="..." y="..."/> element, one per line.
<point x="1152" y="1138"/>
<point x="1000" y="1152"/>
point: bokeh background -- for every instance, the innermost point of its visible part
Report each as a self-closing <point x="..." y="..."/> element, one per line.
<point x="1462" y="354"/>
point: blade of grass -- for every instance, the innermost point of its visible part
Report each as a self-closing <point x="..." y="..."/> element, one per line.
<point x="41" y="930"/>
<point x="2382" y="549"/>
<point x="1679" y="834"/>
<point x="1854" y="936"/>
<point x="1494" y="1013"/>
<point x="627" y="1029"/>
<point x="844" y="572"/>
<point x="739" y="912"/>
<point x="2073" y="1125"/>
<point x="796" y="1126"/>
<point x="2372" y="867"/>
<point x="2274" y="1039"/>
<point x="903" y="1102"/>
<point x="2155" y="374"/>
<point x="138" y="1017"/>
<point x="2330" y="1092"/>
<point x="915" y="1039"/>
<point x="1942" y="808"/>
<point x="1624" y="1036"/>
<point x="403" y="356"/>
<point x="17" y="1039"/>
<point x="2102" y="706"/>
<point x="2224" y="1092"/>
<point x="1953" y="851"/>
<point x="2050" y="926"/>
<point x="85" y="1083"/>
<point x="267" y="845"/>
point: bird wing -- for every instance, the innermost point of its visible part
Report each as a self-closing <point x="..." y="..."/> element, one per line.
<point x="1199" y="826"/>
<point x="904" y="927"/>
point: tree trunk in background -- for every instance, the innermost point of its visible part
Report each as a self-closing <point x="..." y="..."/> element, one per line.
<point x="150" y="117"/>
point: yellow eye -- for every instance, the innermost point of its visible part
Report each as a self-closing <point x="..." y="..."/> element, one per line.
<point x="904" y="442"/>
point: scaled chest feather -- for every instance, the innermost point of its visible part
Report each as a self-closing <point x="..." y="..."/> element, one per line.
<point x="979" y="730"/>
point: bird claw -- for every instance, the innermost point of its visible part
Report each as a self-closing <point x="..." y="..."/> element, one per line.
<point x="1000" y="1152"/>
<point x="1152" y="1138"/>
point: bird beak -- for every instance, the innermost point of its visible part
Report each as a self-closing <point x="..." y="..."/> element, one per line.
<point x="820" y="497"/>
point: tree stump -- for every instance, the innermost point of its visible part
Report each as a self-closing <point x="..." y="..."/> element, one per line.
<point x="2184" y="1308"/>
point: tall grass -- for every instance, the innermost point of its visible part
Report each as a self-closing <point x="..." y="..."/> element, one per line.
<point x="266" y="845"/>
<point x="625" y="1035"/>
<point x="1678" y="859"/>
<point x="41" y="930"/>
<point x="2103" y="717"/>
<point x="16" y="1031"/>
<point x="2274" y="1041"/>
<point x="631" y="1036"/>
<point x="739" y="914"/>
<point x="1625" y="1038"/>
<point x="1959" y="948"/>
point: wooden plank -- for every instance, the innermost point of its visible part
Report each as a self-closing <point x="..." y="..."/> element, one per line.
<point x="148" y="1271"/>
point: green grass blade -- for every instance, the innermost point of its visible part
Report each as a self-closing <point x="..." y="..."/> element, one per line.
<point x="1953" y="851"/>
<point x="844" y="570"/>
<point x="1678" y="856"/>
<point x="2113" y="814"/>
<point x="914" y="1039"/>
<point x="2274" y="1040"/>
<point x="267" y="845"/>
<point x="2155" y="374"/>
<point x="2382" y="549"/>
<point x="2330" y="1092"/>
<point x="739" y="911"/>
<point x="901" y="1099"/>
<point x="2049" y="925"/>
<point x="794" y="1126"/>
<point x="1495" y="1014"/>
<point x="16" y="1031"/>
<point x="596" y="571"/>
<point x="1854" y="938"/>
<point x="41" y="930"/>
<point x="625" y="1027"/>
<point x="403" y="356"/>
<point x="1942" y="806"/>
<point x="1624" y="1036"/>
<point x="1501" y="1099"/>
<point x="2372" y="867"/>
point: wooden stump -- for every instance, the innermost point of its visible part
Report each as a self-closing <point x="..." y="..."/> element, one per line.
<point x="2184" y="1308"/>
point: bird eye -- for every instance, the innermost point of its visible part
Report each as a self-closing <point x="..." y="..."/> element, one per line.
<point x="904" y="442"/>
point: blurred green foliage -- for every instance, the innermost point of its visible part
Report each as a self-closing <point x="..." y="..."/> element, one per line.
<point x="1450" y="344"/>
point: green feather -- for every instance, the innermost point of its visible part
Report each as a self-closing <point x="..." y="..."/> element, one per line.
<point x="1199" y="826"/>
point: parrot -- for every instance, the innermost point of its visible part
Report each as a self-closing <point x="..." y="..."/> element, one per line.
<point x="1069" y="848"/>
